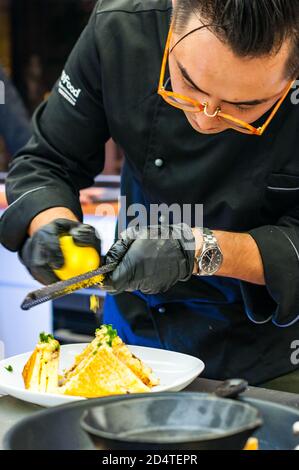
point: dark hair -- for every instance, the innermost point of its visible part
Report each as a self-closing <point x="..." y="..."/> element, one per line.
<point x="251" y="28"/>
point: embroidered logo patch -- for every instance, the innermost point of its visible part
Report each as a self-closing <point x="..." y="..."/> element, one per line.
<point x="67" y="90"/>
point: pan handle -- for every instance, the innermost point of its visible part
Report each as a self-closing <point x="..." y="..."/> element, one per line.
<point x="231" y="388"/>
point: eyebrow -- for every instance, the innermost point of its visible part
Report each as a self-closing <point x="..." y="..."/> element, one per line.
<point x="189" y="79"/>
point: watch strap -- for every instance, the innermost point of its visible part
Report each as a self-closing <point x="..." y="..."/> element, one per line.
<point x="209" y="241"/>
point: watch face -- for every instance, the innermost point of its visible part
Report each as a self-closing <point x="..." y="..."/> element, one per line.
<point x="211" y="260"/>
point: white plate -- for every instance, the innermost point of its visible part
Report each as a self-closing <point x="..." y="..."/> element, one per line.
<point x="175" y="371"/>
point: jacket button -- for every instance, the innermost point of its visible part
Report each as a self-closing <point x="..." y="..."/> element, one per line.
<point x="159" y="162"/>
<point x="161" y="309"/>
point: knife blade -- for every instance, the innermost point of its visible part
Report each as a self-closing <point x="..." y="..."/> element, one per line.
<point x="62" y="288"/>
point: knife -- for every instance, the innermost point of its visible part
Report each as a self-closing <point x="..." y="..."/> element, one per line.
<point x="61" y="288"/>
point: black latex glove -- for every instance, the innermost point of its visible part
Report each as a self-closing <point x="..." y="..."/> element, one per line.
<point x="151" y="264"/>
<point x="41" y="253"/>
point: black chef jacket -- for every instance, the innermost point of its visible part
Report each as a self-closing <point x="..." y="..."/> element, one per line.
<point x="246" y="183"/>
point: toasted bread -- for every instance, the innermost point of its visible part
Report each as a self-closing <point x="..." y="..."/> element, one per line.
<point x="104" y="367"/>
<point x="40" y="373"/>
<point x="102" y="373"/>
<point x="142" y="371"/>
<point x="103" y="336"/>
<point x="107" y="335"/>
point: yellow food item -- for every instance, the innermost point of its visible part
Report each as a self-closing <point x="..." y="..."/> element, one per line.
<point x="140" y="369"/>
<point x="78" y="259"/>
<point x="105" y="367"/>
<point x="103" y="374"/>
<point x="252" y="444"/>
<point x="84" y="284"/>
<point x="107" y="336"/>
<point x="94" y="303"/>
<point x="40" y="373"/>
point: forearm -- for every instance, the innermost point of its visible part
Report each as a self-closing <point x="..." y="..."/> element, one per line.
<point x="45" y="217"/>
<point x="241" y="256"/>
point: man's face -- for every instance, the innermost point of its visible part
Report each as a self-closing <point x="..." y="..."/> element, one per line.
<point x="203" y="68"/>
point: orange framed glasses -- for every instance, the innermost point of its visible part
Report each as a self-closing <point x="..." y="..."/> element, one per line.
<point x="188" y="104"/>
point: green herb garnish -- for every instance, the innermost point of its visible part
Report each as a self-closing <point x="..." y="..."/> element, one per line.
<point x="111" y="333"/>
<point x="44" y="338"/>
<point x="9" y="368"/>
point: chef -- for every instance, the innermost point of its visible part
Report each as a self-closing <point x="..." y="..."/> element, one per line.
<point x="201" y="96"/>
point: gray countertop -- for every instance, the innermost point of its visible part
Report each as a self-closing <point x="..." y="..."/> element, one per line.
<point x="13" y="410"/>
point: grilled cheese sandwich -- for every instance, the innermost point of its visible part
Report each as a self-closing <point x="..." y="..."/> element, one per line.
<point x="40" y="373"/>
<point x="106" y="366"/>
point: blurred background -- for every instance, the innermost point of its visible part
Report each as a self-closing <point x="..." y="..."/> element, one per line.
<point x="36" y="37"/>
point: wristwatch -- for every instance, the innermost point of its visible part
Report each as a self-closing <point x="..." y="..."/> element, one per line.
<point x="211" y="257"/>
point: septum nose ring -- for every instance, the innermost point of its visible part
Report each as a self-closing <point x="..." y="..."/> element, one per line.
<point x="206" y="111"/>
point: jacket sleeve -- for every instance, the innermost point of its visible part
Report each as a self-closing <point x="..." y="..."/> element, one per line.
<point x="66" y="150"/>
<point x="279" y="248"/>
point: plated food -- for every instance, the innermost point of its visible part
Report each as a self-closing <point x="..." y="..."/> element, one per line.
<point x="40" y="373"/>
<point x="174" y="370"/>
<point x="106" y="366"/>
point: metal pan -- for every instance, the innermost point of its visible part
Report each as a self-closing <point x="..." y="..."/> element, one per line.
<point x="60" y="428"/>
<point x="174" y="421"/>
<point x="170" y="421"/>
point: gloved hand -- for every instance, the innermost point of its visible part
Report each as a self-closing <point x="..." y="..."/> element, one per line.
<point x="151" y="259"/>
<point x="41" y="253"/>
